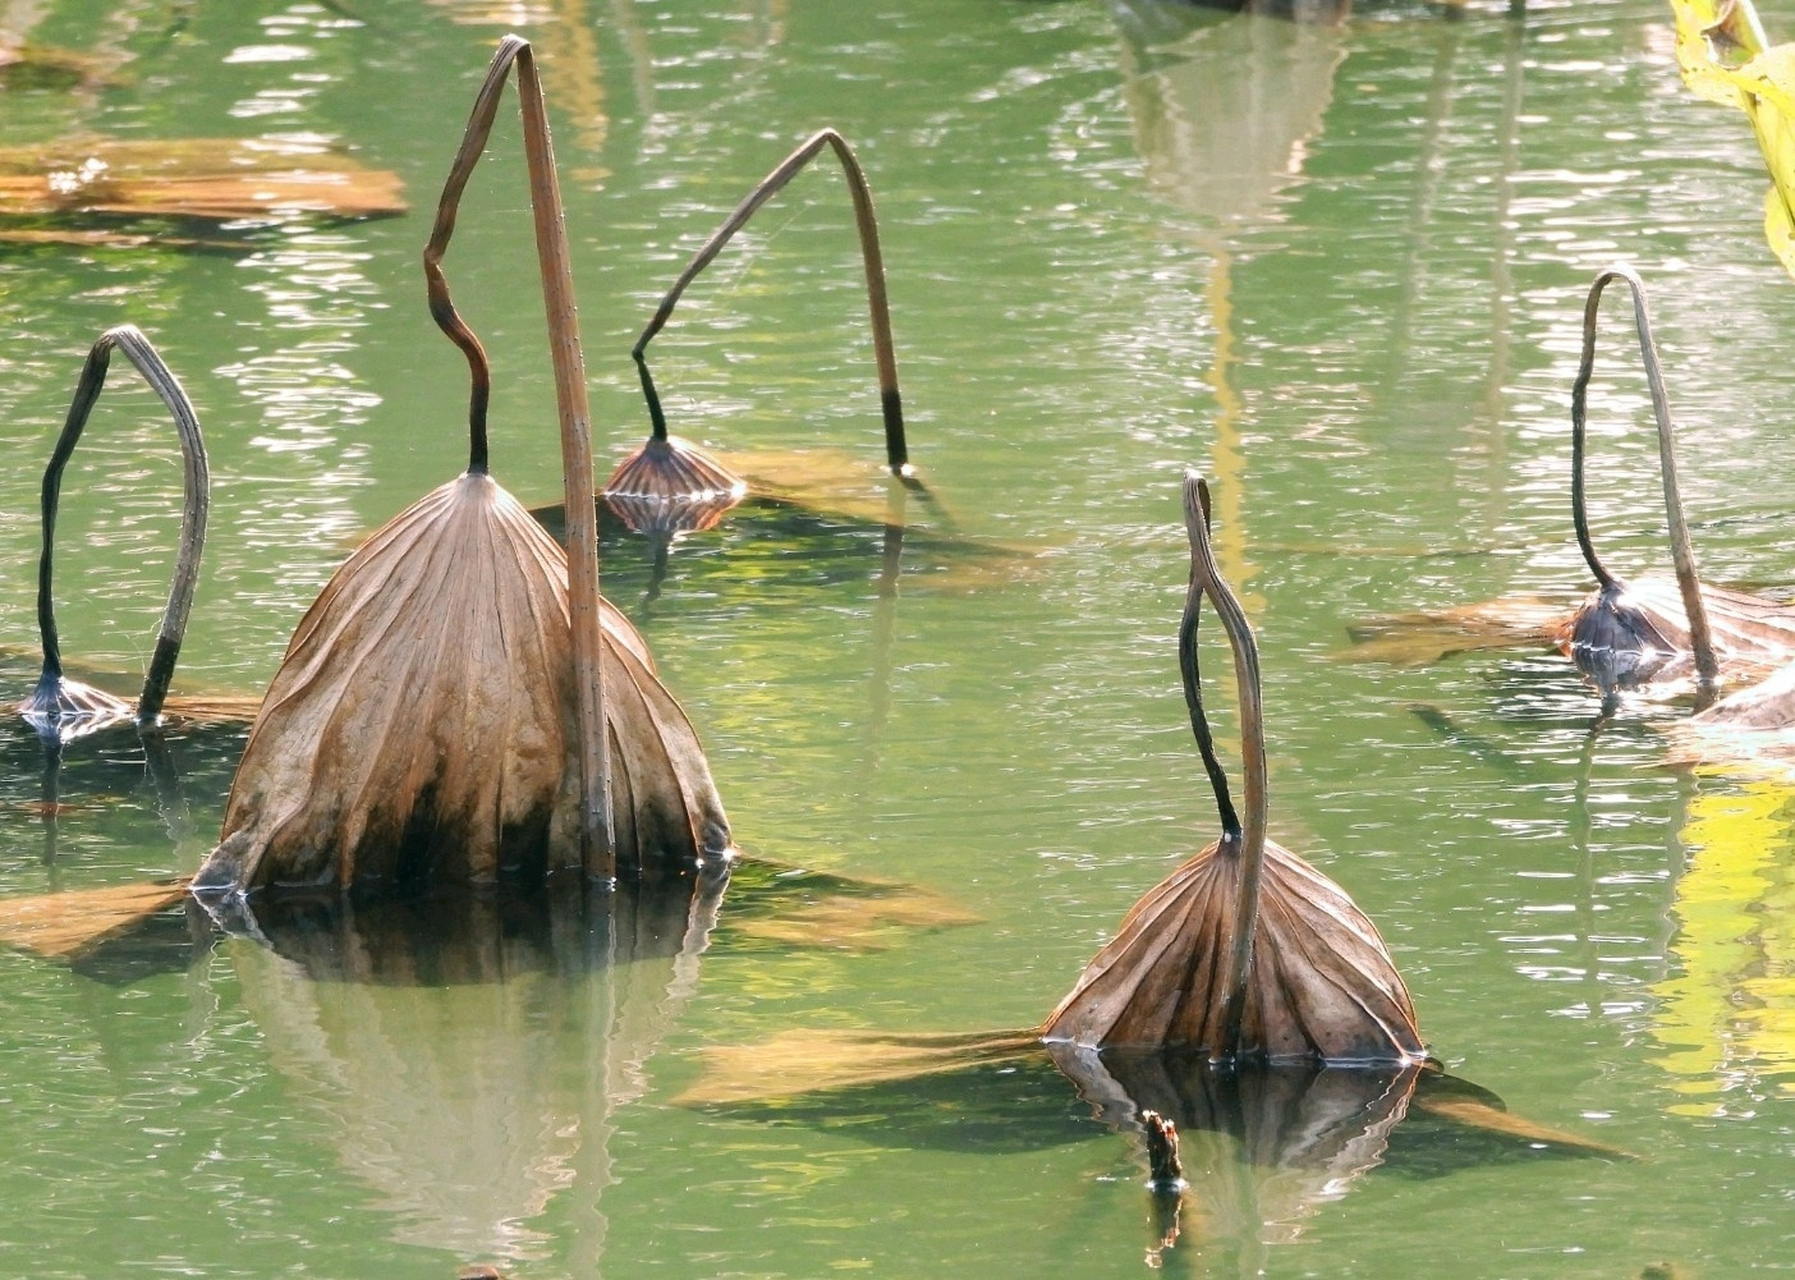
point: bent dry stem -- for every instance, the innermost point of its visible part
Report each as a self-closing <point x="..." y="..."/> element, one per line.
<point x="61" y="707"/>
<point x="669" y="468"/>
<point x="1682" y="553"/>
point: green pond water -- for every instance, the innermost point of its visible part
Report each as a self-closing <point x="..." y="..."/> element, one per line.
<point x="1340" y="269"/>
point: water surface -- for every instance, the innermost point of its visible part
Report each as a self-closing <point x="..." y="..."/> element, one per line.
<point x="1339" y="269"/>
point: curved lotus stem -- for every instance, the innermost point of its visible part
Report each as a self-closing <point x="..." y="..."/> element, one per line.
<point x="896" y="450"/>
<point x="1681" y="553"/>
<point x="1244" y="840"/>
<point x="55" y="696"/>
<point x="570" y="397"/>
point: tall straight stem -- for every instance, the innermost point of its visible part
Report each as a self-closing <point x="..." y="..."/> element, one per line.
<point x="576" y="467"/>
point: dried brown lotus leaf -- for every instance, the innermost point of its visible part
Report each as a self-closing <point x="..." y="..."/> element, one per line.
<point x="1322" y="986"/>
<point x="423" y="719"/>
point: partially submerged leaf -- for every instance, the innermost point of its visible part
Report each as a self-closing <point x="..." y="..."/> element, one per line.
<point x="1420" y="638"/>
<point x="211" y="179"/>
<point x="1321" y="984"/>
<point x="798" y="532"/>
<point x="1635" y="633"/>
<point x="1244" y="955"/>
<point x="792" y="906"/>
<point x="460" y="701"/>
<point x="1625" y="634"/>
<point x="1752" y="730"/>
<point x="97" y="239"/>
<point x="421" y="721"/>
<point x="1245" y="952"/>
<point x="810" y="1061"/>
<point x="62" y="925"/>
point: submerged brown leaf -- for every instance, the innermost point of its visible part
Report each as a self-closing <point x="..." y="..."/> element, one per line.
<point x="810" y="1061"/>
<point x="213" y="179"/>
<point x="62" y="925"/>
<point x="1752" y="730"/>
<point x="422" y="720"/>
<point x="1418" y="638"/>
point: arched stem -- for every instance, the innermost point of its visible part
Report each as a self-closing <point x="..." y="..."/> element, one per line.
<point x="570" y="395"/>
<point x="1682" y="554"/>
<point x="1245" y="840"/>
<point x="897" y="453"/>
<point x="196" y="498"/>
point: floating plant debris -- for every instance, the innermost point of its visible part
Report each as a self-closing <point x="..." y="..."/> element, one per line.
<point x="204" y="179"/>
<point x="1245" y="954"/>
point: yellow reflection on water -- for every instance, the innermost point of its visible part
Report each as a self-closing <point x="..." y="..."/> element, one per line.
<point x="1728" y="1015"/>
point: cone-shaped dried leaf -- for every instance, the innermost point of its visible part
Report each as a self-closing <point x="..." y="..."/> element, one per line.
<point x="422" y="721"/>
<point x="1321" y="984"/>
<point x="671" y="485"/>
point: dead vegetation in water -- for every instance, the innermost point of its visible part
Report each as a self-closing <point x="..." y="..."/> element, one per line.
<point x="48" y="189"/>
<point x="60" y="707"/>
<point x="656" y="487"/>
<point x="36" y="66"/>
<point x="1626" y="634"/>
<point x="1245" y="954"/>
<point x="460" y="701"/>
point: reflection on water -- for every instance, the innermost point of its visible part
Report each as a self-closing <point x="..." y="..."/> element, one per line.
<point x="1727" y="1012"/>
<point x="469" y="1055"/>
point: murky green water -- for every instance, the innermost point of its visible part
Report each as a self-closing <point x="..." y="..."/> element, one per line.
<point x="1340" y="270"/>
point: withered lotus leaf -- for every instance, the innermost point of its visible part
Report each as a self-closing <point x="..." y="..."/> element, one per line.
<point x="1320" y="984"/>
<point x="1630" y="634"/>
<point x="1245" y="952"/>
<point x="422" y="720"/>
<point x="460" y="700"/>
